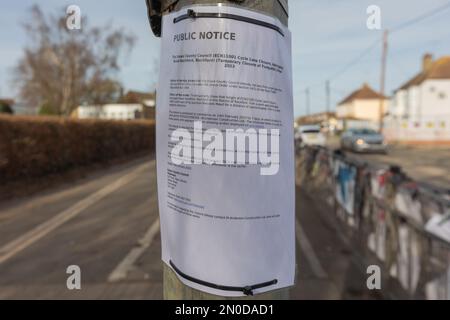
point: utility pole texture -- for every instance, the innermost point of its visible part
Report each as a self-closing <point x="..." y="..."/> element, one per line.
<point x="383" y="79"/>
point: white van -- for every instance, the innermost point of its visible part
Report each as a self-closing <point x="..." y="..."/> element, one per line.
<point x="311" y="135"/>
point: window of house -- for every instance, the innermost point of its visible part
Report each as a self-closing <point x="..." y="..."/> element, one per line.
<point x="442" y="95"/>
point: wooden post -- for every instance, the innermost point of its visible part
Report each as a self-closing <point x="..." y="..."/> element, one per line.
<point x="383" y="80"/>
<point x="174" y="289"/>
<point x="328" y="95"/>
<point x="308" y="102"/>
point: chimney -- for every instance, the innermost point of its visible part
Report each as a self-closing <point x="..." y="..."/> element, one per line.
<point x="427" y="62"/>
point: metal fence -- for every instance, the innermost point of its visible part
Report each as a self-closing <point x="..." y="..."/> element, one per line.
<point x="392" y="220"/>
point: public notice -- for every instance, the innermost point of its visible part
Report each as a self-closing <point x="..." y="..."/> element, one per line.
<point x="225" y="153"/>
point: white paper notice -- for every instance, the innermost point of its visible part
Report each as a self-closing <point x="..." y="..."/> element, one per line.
<point x="225" y="154"/>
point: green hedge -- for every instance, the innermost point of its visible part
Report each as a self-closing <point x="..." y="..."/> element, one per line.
<point x="33" y="147"/>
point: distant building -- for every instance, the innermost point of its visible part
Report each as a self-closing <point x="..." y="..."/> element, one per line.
<point x="427" y="94"/>
<point x="362" y="104"/>
<point x="420" y="108"/>
<point x="133" y="105"/>
<point x="146" y="99"/>
<point x="316" y="118"/>
<point x="109" y="112"/>
<point x="327" y="120"/>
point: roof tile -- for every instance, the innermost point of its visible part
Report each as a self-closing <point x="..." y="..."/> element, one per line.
<point x="364" y="93"/>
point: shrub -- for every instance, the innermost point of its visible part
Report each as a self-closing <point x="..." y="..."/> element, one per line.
<point x="32" y="147"/>
<point x="6" y="108"/>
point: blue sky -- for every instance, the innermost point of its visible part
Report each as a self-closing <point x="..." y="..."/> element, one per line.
<point x="327" y="35"/>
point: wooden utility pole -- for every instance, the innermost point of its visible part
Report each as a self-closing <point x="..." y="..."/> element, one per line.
<point x="308" y="101"/>
<point x="383" y="79"/>
<point x="174" y="289"/>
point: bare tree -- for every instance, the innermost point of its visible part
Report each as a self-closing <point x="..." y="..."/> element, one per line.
<point x="63" y="68"/>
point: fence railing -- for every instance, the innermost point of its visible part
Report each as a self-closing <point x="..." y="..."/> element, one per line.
<point x="394" y="221"/>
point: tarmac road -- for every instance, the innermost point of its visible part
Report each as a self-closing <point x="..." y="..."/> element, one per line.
<point x="426" y="164"/>
<point x="108" y="225"/>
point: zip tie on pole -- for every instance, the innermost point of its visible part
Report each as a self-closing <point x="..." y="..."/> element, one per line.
<point x="247" y="290"/>
<point x="196" y="15"/>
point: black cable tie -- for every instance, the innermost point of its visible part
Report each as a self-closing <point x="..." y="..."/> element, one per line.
<point x="191" y="14"/>
<point x="247" y="290"/>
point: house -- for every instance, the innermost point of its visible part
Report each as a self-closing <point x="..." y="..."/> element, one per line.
<point x="327" y="120"/>
<point x="420" y="108"/>
<point x="133" y="105"/>
<point x="363" y="105"/>
<point x="148" y="101"/>
<point x="120" y="111"/>
<point x="427" y="94"/>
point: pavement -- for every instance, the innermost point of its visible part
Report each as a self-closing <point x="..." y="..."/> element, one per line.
<point x="107" y="224"/>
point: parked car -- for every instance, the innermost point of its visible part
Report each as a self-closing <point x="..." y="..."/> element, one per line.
<point x="363" y="140"/>
<point x="311" y="136"/>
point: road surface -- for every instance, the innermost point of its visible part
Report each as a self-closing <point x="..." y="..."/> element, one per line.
<point x="430" y="165"/>
<point x="426" y="164"/>
<point x="107" y="224"/>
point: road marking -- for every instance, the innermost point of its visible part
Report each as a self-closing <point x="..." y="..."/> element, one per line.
<point x="308" y="250"/>
<point x="14" y="247"/>
<point x="122" y="269"/>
